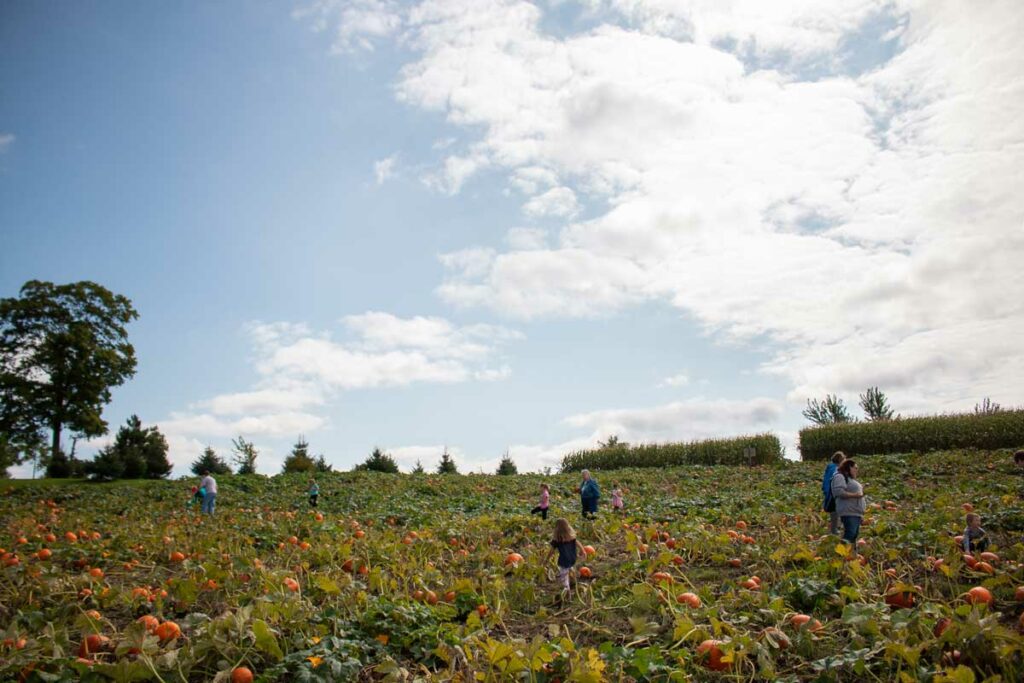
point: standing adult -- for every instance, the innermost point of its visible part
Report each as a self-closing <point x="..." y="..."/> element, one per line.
<point x="589" y="494"/>
<point x="828" y="502"/>
<point x="210" y="485"/>
<point x="849" y="495"/>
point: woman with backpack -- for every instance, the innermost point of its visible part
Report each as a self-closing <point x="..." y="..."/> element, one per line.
<point x="849" y="496"/>
<point x="828" y="502"/>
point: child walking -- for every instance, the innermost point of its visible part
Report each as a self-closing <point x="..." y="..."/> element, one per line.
<point x="565" y="544"/>
<point x="974" y="535"/>
<point x="314" y="492"/>
<point x="617" y="503"/>
<point x="542" y="508"/>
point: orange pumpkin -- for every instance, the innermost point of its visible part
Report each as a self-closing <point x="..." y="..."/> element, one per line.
<point x="712" y="652"/>
<point x="978" y="595"/>
<point x="168" y="631"/>
<point x="241" y="674"/>
<point x="150" y="622"/>
<point x="689" y="599"/>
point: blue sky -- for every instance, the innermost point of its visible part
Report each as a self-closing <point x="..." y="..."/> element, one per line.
<point x="494" y="225"/>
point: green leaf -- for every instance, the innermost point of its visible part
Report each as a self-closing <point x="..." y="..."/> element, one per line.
<point x="266" y="641"/>
<point x="961" y="674"/>
<point x="326" y="584"/>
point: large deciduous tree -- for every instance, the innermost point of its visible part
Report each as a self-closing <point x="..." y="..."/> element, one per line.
<point x="62" y="349"/>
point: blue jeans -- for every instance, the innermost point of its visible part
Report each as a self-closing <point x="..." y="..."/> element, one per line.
<point x="208" y="502"/>
<point x="589" y="506"/>
<point x="851" y="528"/>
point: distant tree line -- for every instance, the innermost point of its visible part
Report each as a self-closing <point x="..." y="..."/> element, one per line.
<point x="63" y="348"/>
<point x="874" y="403"/>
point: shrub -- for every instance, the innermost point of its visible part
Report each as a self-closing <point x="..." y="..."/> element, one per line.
<point x="1004" y="429"/>
<point x="767" y="449"/>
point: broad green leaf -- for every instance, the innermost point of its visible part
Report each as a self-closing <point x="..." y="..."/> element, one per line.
<point x="266" y="641"/>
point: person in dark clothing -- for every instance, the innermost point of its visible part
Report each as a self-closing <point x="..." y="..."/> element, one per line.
<point x="590" y="492"/>
<point x="565" y="544"/>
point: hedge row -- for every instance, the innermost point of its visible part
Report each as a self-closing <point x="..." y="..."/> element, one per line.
<point x="1004" y="429"/>
<point x="767" y="450"/>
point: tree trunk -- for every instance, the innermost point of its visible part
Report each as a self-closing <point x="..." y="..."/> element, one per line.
<point x="55" y="444"/>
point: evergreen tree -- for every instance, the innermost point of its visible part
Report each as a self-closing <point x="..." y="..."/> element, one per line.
<point x="322" y="465"/>
<point x="447" y="464"/>
<point x="210" y="462"/>
<point x="418" y="469"/>
<point x="875" y="405"/>
<point x="245" y="456"/>
<point x="136" y="453"/>
<point x="832" y="410"/>
<point x="379" y="461"/>
<point x="298" y="460"/>
<point x="507" y="466"/>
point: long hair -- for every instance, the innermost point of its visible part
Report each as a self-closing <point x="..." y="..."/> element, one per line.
<point x="845" y="468"/>
<point x="563" y="532"/>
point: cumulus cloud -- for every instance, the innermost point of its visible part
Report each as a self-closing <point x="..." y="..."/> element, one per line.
<point x="861" y="219"/>
<point x="696" y="418"/>
<point x="356" y="24"/>
<point x="300" y="369"/>
<point x="384" y="169"/>
<point x="558" y="201"/>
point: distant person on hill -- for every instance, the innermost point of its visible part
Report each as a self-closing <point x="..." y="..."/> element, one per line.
<point x="209" y="487"/>
<point x="314" y="492"/>
<point x="617" y="503"/>
<point x="850" y="504"/>
<point x="542" y="507"/>
<point x="974" y="535"/>
<point x="829" y="503"/>
<point x="565" y="544"/>
<point x="590" y="492"/>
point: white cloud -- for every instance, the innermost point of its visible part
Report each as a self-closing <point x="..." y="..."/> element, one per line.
<point x="384" y="169"/>
<point x="862" y="221"/>
<point x="300" y="369"/>
<point x="680" y="380"/>
<point x="357" y="24"/>
<point x="696" y="418"/>
<point x="558" y="201"/>
<point x="6" y="140"/>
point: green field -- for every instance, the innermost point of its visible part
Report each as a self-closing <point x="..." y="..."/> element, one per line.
<point x="405" y="578"/>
